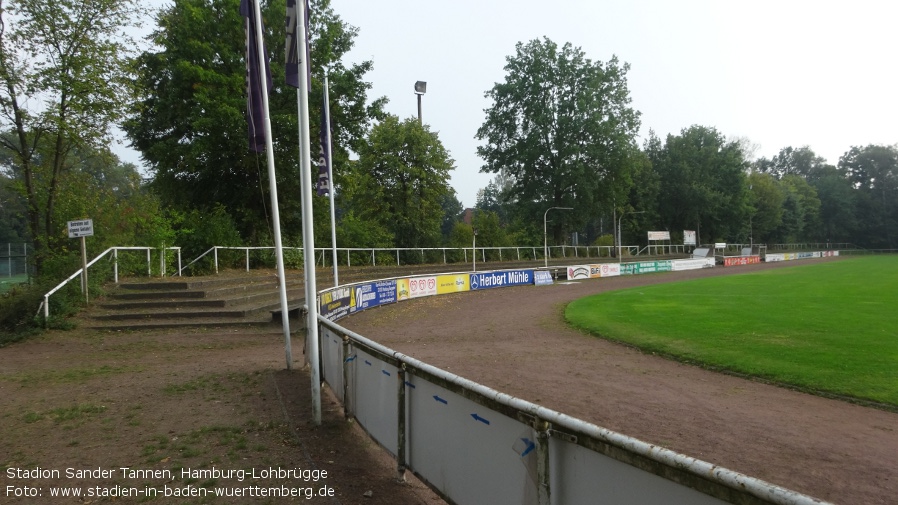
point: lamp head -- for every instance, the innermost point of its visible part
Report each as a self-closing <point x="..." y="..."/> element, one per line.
<point x="420" y="88"/>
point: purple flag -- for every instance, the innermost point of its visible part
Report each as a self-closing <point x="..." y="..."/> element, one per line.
<point x="290" y="49"/>
<point x="324" y="183"/>
<point x="255" y="115"/>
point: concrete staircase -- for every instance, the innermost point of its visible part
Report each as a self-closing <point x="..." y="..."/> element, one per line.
<point x="247" y="299"/>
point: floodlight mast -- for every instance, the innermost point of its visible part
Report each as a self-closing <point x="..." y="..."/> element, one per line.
<point x="420" y="89"/>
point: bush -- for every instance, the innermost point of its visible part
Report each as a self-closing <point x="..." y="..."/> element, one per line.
<point x="19" y="316"/>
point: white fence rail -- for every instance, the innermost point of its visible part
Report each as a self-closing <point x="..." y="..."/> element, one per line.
<point x="45" y="304"/>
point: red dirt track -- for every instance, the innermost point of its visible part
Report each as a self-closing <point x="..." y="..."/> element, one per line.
<point x="515" y="340"/>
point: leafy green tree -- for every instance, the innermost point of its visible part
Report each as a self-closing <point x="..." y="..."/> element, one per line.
<point x="704" y="184"/>
<point x="766" y="207"/>
<point x="873" y="171"/>
<point x="65" y="69"/>
<point x="838" y="205"/>
<point x="561" y="129"/>
<point x="189" y="124"/>
<point x="802" y="162"/>
<point x="452" y="213"/>
<point x="801" y="210"/>
<point x="400" y="181"/>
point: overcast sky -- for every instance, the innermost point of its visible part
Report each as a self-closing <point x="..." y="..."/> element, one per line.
<point x="781" y="73"/>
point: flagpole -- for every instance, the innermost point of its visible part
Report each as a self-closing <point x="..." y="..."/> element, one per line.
<point x="272" y="182"/>
<point x="330" y="176"/>
<point x="308" y="236"/>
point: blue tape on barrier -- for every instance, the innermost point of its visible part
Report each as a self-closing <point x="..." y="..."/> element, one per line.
<point x="351" y="358"/>
<point x="409" y="384"/>
<point x="478" y="418"/>
<point x="367" y="362"/>
<point x="437" y="398"/>
<point x="385" y="373"/>
<point x="529" y="444"/>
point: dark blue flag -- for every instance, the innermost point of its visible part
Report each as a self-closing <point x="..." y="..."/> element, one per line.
<point x="255" y="115"/>
<point x="290" y="49"/>
<point x="323" y="184"/>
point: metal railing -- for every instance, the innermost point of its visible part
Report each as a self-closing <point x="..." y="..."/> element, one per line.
<point x="473" y="444"/>
<point x="45" y="304"/>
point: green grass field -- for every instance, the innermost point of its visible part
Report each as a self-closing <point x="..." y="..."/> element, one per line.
<point x="829" y="327"/>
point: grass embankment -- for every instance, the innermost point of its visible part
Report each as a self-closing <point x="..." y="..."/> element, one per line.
<point x="830" y="327"/>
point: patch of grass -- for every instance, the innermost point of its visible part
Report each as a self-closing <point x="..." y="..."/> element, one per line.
<point x="68" y="375"/>
<point x="61" y="415"/>
<point x="828" y="327"/>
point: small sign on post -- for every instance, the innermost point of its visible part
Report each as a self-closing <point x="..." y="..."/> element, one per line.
<point x="81" y="229"/>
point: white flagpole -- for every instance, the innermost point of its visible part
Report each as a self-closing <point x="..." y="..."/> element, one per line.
<point x="272" y="183"/>
<point x="308" y="235"/>
<point x="330" y="176"/>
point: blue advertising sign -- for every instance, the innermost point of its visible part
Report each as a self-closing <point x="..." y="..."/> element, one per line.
<point x="542" y="278"/>
<point x="334" y="304"/>
<point x="502" y="279"/>
<point x="372" y="294"/>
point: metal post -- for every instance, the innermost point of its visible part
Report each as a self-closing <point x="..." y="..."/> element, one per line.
<point x="543" y="463"/>
<point x="215" y="253"/>
<point x="84" y="286"/>
<point x="115" y="264"/>
<point x="247" y="259"/>
<point x="347" y="360"/>
<point x="400" y="446"/>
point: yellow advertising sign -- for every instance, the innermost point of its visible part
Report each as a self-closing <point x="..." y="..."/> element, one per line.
<point x="453" y="283"/>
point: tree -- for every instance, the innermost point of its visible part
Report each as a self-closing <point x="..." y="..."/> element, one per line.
<point x="801" y="210"/>
<point x="65" y="68"/>
<point x="766" y="207"/>
<point x="802" y="162"/>
<point x="873" y="171"/>
<point x="838" y="205"/>
<point x="704" y="184"/>
<point x="189" y="124"/>
<point x="562" y="130"/>
<point x="400" y="181"/>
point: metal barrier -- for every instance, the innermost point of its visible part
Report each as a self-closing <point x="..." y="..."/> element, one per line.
<point x="473" y="444"/>
<point x="45" y="304"/>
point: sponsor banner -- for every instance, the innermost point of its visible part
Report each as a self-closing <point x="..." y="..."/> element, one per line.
<point x="335" y="303"/>
<point x="578" y="272"/>
<point x="805" y="255"/>
<point x="542" y="277"/>
<point x="827" y="254"/>
<point x="770" y="258"/>
<point x="732" y="261"/>
<point x="415" y="287"/>
<point x="645" y="267"/>
<point x="688" y="237"/>
<point x="372" y="294"/>
<point x="659" y="235"/>
<point x="453" y="283"/>
<point x="693" y="264"/>
<point x="501" y="279"/>
<point x="604" y="270"/>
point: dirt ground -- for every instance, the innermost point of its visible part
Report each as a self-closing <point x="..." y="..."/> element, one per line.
<point x="195" y="401"/>
<point x="516" y="341"/>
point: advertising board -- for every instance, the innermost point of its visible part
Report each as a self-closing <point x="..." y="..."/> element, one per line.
<point x="659" y="235"/>
<point x="578" y="272"/>
<point x="604" y="270"/>
<point x="732" y="261"/>
<point x="688" y="237"/>
<point x="542" y="278"/>
<point x="415" y="287"/>
<point x="645" y="267"/>
<point x="503" y="279"/>
<point x="372" y="294"/>
<point x="335" y="303"/>
<point x="693" y="264"/>
<point x="453" y="283"/>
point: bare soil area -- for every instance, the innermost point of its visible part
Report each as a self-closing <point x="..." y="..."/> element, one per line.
<point x="80" y="406"/>
<point x="515" y="340"/>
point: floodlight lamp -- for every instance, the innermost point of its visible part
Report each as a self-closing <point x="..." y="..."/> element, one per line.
<point x="420" y="88"/>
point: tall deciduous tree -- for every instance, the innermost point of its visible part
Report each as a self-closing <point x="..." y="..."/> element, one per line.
<point x="190" y="128"/>
<point x="703" y="184"/>
<point x="400" y="181"/>
<point x="561" y="128"/>
<point x="65" y="72"/>
<point x="873" y="170"/>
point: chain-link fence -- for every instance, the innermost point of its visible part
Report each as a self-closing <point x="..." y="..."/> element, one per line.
<point x="14" y="260"/>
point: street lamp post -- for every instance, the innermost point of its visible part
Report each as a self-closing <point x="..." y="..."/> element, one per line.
<point x="545" y="233"/>
<point x="620" y="239"/>
<point x="420" y="89"/>
<point x="474" y="249"/>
